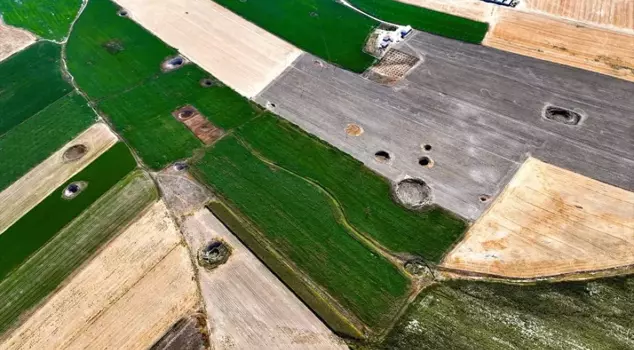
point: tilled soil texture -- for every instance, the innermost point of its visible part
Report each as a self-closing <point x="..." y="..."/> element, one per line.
<point x="127" y="297"/>
<point x="240" y="54"/>
<point x="13" y="39"/>
<point x="618" y="14"/>
<point x="592" y="48"/>
<point x="474" y="9"/>
<point x="247" y="305"/>
<point x="549" y="221"/>
<point x="17" y="199"/>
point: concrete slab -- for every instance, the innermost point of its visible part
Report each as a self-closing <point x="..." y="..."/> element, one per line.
<point x="479" y="108"/>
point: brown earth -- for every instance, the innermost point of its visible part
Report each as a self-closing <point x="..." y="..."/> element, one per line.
<point x="612" y="13"/>
<point x="127" y="297"/>
<point x="354" y="130"/>
<point x="189" y="333"/>
<point x="237" y="52"/>
<point x="545" y="37"/>
<point x="24" y="194"/>
<point x="247" y="306"/>
<point x="549" y="221"/>
<point x="13" y="40"/>
<point x="474" y="9"/>
<point x="198" y="124"/>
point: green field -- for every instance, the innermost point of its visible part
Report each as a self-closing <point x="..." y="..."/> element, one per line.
<point x="302" y="223"/>
<point x="430" y="21"/>
<point x="478" y="315"/>
<point x="39" y="225"/>
<point x="336" y="33"/>
<point x="45" y="18"/>
<point x="29" y="82"/>
<point x="43" y="272"/>
<point x="35" y="139"/>
<point x="135" y="95"/>
<point x="364" y="196"/>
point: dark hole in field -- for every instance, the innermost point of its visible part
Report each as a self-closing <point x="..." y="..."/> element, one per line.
<point x="484" y="198"/>
<point x="427" y="147"/>
<point x="382" y="156"/>
<point x="214" y="254"/>
<point x="176" y="61"/>
<point x="122" y="13"/>
<point x="186" y="113"/>
<point x="413" y="193"/>
<point x="207" y="82"/>
<point x="180" y="166"/>
<point x="425" y="161"/>
<point x="562" y="115"/>
<point x="74" y="152"/>
<point x="73" y="188"/>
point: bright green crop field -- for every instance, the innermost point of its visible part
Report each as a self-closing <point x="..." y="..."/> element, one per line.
<point x="49" y="19"/>
<point x="41" y="223"/>
<point x="35" y="139"/>
<point x="302" y="223"/>
<point x="364" y="196"/>
<point x="478" y="315"/>
<point x="29" y="82"/>
<point x="42" y="273"/>
<point x="126" y="82"/>
<point x="430" y="21"/>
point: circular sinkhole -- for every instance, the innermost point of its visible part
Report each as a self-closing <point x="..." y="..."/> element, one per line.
<point x="122" y="13"/>
<point x="426" y="162"/>
<point x="427" y="147"/>
<point x="413" y="193"/>
<point x="207" y="82"/>
<point x="562" y="115"/>
<point x="214" y="254"/>
<point x="180" y="166"/>
<point x="354" y="130"/>
<point x="186" y="113"/>
<point x="484" y="198"/>
<point x="418" y="267"/>
<point x="74" y="153"/>
<point x="74" y="189"/>
<point x="382" y="157"/>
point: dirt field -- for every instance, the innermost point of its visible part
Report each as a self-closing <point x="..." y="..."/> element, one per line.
<point x="613" y="13"/>
<point x="13" y="40"/>
<point x="549" y="221"/>
<point x="182" y="194"/>
<point x="128" y="296"/>
<point x="472" y="9"/>
<point x="247" y="306"/>
<point x="240" y="54"/>
<point x="563" y="42"/>
<point x="37" y="184"/>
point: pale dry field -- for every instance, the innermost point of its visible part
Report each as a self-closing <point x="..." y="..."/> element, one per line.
<point x="545" y="37"/>
<point x="24" y="194"/>
<point x="126" y="297"/>
<point x="549" y="221"/>
<point x="473" y="9"/>
<point x="612" y="13"/>
<point x="247" y="306"/>
<point x="240" y="54"/>
<point x="13" y="40"/>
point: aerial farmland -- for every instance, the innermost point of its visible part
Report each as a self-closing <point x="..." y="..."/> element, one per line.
<point x="325" y="174"/>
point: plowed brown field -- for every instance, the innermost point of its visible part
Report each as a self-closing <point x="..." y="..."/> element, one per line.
<point x="13" y="40"/>
<point x="614" y="13"/>
<point x="549" y="221"/>
<point x="474" y="9"/>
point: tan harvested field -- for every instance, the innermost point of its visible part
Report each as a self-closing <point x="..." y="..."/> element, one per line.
<point x="127" y="297"/>
<point x="545" y="37"/>
<point x="240" y="54"/>
<point x="13" y="40"/>
<point x="549" y="221"/>
<point x="613" y="13"/>
<point x="474" y="9"/>
<point x="24" y="194"/>
<point x="247" y="306"/>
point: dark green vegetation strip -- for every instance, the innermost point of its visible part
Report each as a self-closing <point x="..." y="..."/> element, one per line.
<point x="478" y="315"/>
<point x="40" y="224"/>
<point x="35" y="139"/>
<point x="364" y="196"/>
<point x="117" y="63"/>
<point x="324" y="28"/>
<point x="317" y="303"/>
<point x="427" y="20"/>
<point x="50" y="19"/>
<point x="29" y="82"/>
<point x="74" y="244"/>
<point x="301" y="223"/>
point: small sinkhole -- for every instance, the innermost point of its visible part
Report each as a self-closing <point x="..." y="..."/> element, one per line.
<point x="122" y="13"/>
<point x="382" y="157"/>
<point x="426" y="162"/>
<point x="562" y="115"/>
<point x="427" y="147"/>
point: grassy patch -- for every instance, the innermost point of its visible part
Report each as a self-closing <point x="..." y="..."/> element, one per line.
<point x="48" y="267"/>
<point x="364" y="196"/>
<point x="467" y="315"/>
<point x="427" y="20"/>
<point x="108" y="53"/>
<point x="29" y="82"/>
<point x="40" y="224"/>
<point x="117" y="63"/>
<point x="324" y="28"/>
<point x="301" y="223"/>
<point x="247" y="234"/>
<point x="34" y="140"/>
<point x="46" y="18"/>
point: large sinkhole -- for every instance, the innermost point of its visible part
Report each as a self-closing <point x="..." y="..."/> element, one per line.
<point x="413" y="193"/>
<point x="562" y="115"/>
